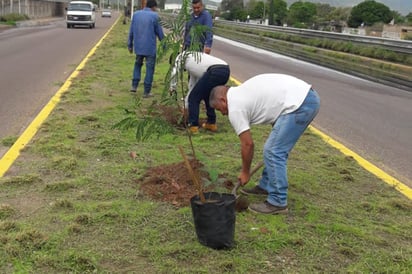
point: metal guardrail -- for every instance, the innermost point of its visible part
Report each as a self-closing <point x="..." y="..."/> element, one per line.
<point x="397" y="46"/>
<point x="402" y="46"/>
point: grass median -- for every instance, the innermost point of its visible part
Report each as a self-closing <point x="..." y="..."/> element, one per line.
<point x="73" y="202"/>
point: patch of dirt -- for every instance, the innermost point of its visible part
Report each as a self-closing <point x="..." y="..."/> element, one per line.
<point x="173" y="183"/>
<point x="173" y="115"/>
<point x="26" y="204"/>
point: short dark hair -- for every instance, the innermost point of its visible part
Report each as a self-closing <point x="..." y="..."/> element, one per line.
<point x="151" y="3"/>
<point x="196" y="1"/>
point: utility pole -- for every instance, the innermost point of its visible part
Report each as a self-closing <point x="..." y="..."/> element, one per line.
<point x="264" y="11"/>
<point x="132" y="10"/>
<point x="142" y="6"/>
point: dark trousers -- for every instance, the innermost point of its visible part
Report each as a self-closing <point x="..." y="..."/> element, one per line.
<point x="216" y="75"/>
<point x="137" y="71"/>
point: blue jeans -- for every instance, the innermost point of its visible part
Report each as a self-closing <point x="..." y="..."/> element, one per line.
<point x="137" y="71"/>
<point x="285" y="133"/>
<point x="216" y="75"/>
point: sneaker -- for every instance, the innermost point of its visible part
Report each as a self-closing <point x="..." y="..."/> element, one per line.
<point x="266" y="208"/>
<point x="133" y="89"/>
<point x="257" y="190"/>
<point x="211" y="127"/>
<point x="194" y="129"/>
<point x="148" y="95"/>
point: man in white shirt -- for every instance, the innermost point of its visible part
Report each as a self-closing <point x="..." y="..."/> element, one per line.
<point x="283" y="101"/>
<point x="205" y="72"/>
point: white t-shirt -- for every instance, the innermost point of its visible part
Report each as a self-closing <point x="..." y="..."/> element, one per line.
<point x="196" y="64"/>
<point x="263" y="98"/>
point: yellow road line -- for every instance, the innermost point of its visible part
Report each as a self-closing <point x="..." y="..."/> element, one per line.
<point x="13" y="153"/>
<point x="402" y="188"/>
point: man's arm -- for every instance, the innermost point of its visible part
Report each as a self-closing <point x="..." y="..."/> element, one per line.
<point x="209" y="34"/>
<point x="130" y="38"/>
<point x="159" y="30"/>
<point x="247" y="151"/>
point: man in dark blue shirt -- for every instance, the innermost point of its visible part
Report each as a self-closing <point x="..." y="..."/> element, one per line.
<point x="199" y="39"/>
<point x="144" y="29"/>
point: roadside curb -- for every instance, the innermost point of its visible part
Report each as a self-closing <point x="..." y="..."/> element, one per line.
<point x="5" y="27"/>
<point x="38" y="22"/>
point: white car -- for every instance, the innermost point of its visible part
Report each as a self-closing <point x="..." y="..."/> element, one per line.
<point x="106" y="13"/>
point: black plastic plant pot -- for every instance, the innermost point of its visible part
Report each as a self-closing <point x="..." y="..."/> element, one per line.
<point x="215" y="219"/>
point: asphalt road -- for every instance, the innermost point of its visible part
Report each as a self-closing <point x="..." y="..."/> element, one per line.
<point x="371" y="119"/>
<point x="34" y="62"/>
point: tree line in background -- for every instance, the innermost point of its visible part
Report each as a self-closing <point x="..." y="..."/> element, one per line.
<point x="311" y="15"/>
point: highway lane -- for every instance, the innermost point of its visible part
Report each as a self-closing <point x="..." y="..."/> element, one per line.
<point x="34" y="62"/>
<point x="371" y="119"/>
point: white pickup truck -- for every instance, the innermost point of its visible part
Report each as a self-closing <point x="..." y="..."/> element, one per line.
<point x="81" y="13"/>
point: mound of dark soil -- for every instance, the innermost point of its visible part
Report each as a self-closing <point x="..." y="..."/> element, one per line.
<point x="173" y="183"/>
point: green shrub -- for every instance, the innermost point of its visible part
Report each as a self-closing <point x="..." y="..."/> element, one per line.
<point x="348" y="47"/>
<point x="408" y="37"/>
<point x="299" y="25"/>
<point x="338" y="46"/>
<point x="317" y="42"/>
<point x="378" y="53"/>
<point x="310" y="49"/>
<point x="13" y="17"/>
<point x="390" y="56"/>
<point x="366" y="51"/>
<point x="408" y="59"/>
<point x="325" y="44"/>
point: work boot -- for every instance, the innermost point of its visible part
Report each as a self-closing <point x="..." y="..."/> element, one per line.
<point x="256" y="190"/>
<point x="211" y="127"/>
<point x="266" y="208"/>
<point x="147" y="95"/>
<point x="194" y="129"/>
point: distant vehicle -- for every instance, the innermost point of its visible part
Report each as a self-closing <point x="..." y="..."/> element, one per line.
<point x="81" y="13"/>
<point x="106" y="13"/>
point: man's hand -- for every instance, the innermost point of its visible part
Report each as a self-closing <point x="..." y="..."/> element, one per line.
<point x="252" y="172"/>
<point x="207" y="50"/>
<point x="130" y="50"/>
<point x="244" y="178"/>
